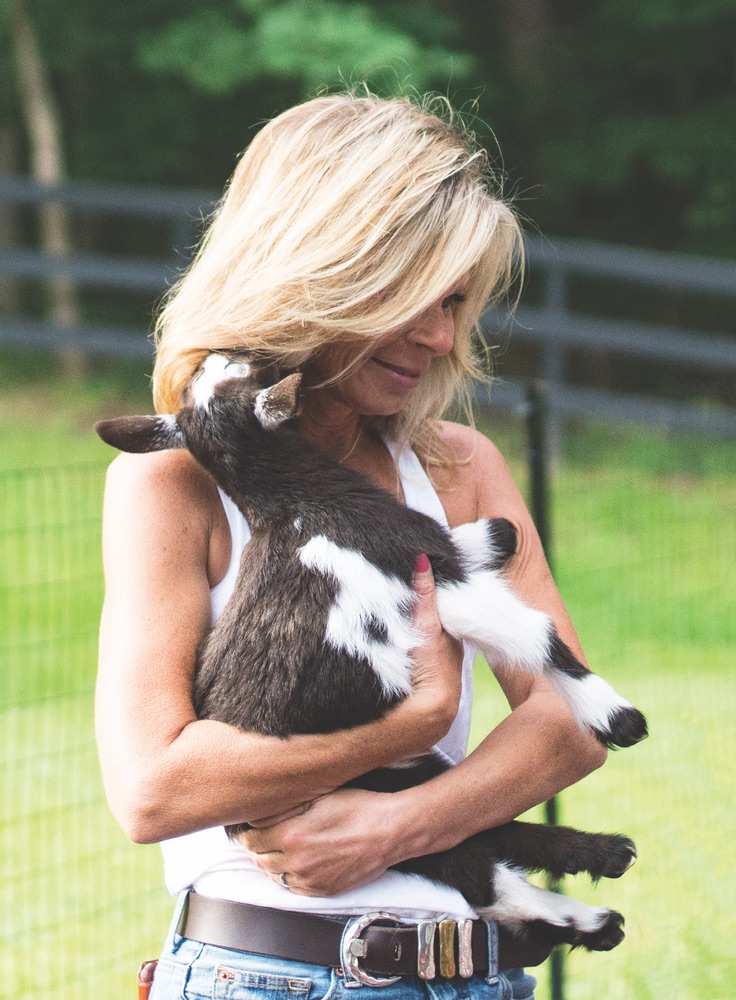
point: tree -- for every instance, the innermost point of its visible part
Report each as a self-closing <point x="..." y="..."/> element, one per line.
<point x="43" y="128"/>
<point x="645" y="124"/>
<point x="311" y="43"/>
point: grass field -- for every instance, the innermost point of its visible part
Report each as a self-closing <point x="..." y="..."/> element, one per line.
<point x="644" y="544"/>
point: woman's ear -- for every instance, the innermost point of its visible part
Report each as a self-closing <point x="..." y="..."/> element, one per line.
<point x="142" y="434"/>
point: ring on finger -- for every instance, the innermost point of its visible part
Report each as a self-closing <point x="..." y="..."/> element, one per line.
<point x="282" y="880"/>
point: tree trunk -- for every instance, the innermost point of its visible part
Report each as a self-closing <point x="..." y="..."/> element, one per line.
<point x="526" y="26"/>
<point x="10" y="301"/>
<point x="47" y="166"/>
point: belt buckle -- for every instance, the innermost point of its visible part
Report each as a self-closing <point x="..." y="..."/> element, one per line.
<point x="352" y="949"/>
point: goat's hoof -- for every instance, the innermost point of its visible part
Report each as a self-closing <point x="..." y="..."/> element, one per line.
<point x="622" y="857"/>
<point x="609" y="936"/>
<point x="504" y="540"/>
<point x="626" y="726"/>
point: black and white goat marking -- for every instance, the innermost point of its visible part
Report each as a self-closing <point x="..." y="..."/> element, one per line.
<point x="317" y="635"/>
<point x="519" y="903"/>
<point x="368" y="618"/>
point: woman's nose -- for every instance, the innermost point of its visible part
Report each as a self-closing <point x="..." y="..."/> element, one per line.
<point x="435" y="330"/>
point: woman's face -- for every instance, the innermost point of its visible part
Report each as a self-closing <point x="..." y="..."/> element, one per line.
<point x="382" y="382"/>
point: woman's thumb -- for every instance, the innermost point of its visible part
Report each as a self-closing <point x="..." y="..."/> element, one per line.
<point x="423" y="578"/>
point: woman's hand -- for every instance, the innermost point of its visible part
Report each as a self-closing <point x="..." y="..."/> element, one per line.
<point x="339" y="841"/>
<point x="437" y="673"/>
<point x="351" y="836"/>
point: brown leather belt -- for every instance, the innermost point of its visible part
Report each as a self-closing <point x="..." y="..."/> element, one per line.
<point x="363" y="947"/>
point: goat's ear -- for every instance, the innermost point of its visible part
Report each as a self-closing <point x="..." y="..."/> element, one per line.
<point x="278" y="403"/>
<point x="141" y="434"/>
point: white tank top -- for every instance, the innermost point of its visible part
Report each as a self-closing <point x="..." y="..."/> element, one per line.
<point x="215" y="866"/>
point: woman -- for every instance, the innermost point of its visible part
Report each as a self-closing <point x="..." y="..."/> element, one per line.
<point x="359" y="241"/>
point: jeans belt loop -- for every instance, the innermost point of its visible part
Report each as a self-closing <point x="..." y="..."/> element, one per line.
<point x="180" y="911"/>
<point x="492" y="928"/>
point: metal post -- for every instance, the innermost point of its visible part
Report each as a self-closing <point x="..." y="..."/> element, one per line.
<point x="553" y="355"/>
<point x="539" y="454"/>
<point x="537" y="430"/>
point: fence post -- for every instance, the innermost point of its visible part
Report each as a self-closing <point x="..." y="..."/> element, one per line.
<point x="539" y="461"/>
<point x="553" y="354"/>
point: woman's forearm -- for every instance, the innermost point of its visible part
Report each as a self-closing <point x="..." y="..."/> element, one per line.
<point x="212" y="774"/>
<point x="351" y="836"/>
<point x="532" y="755"/>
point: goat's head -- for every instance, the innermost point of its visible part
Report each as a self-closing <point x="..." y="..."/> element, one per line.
<point x="231" y="396"/>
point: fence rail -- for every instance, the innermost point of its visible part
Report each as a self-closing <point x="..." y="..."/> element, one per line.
<point x="553" y="325"/>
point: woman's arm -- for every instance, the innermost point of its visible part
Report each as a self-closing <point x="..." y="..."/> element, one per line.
<point x="165" y="772"/>
<point x="346" y="837"/>
<point x="538" y="749"/>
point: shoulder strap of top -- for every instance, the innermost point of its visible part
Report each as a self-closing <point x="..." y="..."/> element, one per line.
<point x="419" y="492"/>
<point x="239" y="536"/>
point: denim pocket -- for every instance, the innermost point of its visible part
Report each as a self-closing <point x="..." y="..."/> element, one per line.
<point x="169" y="980"/>
<point x="238" y="984"/>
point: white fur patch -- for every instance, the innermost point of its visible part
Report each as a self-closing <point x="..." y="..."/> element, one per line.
<point x="475" y="545"/>
<point x="592" y="700"/>
<point x="168" y="432"/>
<point x="267" y="417"/>
<point x="518" y="902"/>
<point x="365" y="597"/>
<point x="485" y="611"/>
<point x="215" y="369"/>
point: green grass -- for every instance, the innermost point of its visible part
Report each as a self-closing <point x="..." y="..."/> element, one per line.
<point x="48" y="420"/>
<point x="644" y="540"/>
<point x="644" y="551"/>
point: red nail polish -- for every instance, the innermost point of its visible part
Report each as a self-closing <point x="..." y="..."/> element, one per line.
<point x="422" y="563"/>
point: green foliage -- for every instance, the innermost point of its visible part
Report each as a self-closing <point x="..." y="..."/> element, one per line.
<point x="313" y="42"/>
<point x="642" y="135"/>
<point x="617" y="120"/>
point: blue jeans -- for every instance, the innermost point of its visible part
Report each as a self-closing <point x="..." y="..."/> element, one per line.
<point x="188" y="970"/>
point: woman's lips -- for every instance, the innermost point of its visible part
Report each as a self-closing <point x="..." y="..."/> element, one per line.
<point x="405" y="376"/>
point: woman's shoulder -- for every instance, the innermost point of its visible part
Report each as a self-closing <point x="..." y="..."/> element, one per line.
<point x="166" y="488"/>
<point x="468" y="446"/>
<point x="173" y="474"/>
<point x="163" y="508"/>
<point x="473" y="465"/>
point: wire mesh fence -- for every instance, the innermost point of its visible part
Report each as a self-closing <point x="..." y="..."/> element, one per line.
<point x="643" y="531"/>
<point x="75" y="897"/>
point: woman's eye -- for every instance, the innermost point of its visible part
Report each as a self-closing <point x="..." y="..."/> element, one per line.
<point x="453" y="300"/>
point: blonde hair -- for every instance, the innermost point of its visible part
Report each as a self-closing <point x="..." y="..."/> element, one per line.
<point x="346" y="217"/>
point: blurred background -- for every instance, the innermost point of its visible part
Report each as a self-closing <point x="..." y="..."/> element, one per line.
<point x="614" y="126"/>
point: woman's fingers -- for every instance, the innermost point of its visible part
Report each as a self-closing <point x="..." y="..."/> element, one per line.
<point x="426" y="618"/>
<point x="266" y="821"/>
<point x="438" y="659"/>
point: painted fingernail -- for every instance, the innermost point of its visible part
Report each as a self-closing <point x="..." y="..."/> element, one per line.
<point x="422" y="563"/>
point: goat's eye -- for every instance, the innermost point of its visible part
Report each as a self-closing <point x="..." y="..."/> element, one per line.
<point x="238" y="369"/>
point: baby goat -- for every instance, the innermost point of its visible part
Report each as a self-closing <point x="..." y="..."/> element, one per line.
<point x="318" y="632"/>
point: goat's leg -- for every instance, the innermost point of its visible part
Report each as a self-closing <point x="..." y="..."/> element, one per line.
<point x="542" y="916"/>
<point x="487" y="543"/>
<point x="560" y="850"/>
<point x="484" y="610"/>
<point x="498" y="892"/>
